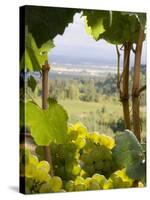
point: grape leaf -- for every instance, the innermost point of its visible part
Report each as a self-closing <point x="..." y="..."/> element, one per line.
<point x="142" y="19"/>
<point x="32" y="83"/>
<point x="48" y="125"/>
<point x="34" y="57"/>
<point x="44" y="23"/>
<point x="94" y="22"/>
<point x="137" y="170"/>
<point x="128" y="154"/>
<point x="114" y="26"/>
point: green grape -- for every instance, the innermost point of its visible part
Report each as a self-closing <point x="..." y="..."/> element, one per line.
<point x="79" y="180"/>
<point x="80" y="128"/>
<point x="108" y="185"/>
<point x="73" y="135"/>
<point x="60" y="170"/>
<point x="48" y="178"/>
<point x="33" y="159"/>
<point x="44" y="164"/>
<point x="106" y="166"/>
<point x="94" y="137"/>
<point x="87" y="182"/>
<point x="121" y="180"/>
<point x="100" y="179"/>
<point x="87" y="159"/>
<point x="77" y="156"/>
<point x="122" y="174"/>
<point x="83" y="173"/>
<point x="76" y="169"/>
<point x="126" y="184"/>
<point x="94" y="185"/>
<point x="45" y="188"/>
<point x="69" y="186"/>
<point x="30" y="170"/>
<point x="69" y="167"/>
<point x="108" y="155"/>
<point x="89" y="169"/>
<point x="117" y="181"/>
<point x="69" y="156"/>
<point x="40" y="175"/>
<point x="96" y="154"/>
<point x="55" y="183"/>
<point x="107" y="141"/>
<point x="99" y="164"/>
<point x="80" y="142"/>
<point x="80" y="187"/>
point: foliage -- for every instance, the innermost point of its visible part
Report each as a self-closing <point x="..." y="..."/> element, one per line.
<point x="34" y="57"/>
<point x="32" y="83"/>
<point x="82" y="160"/>
<point x="74" y="161"/>
<point x="128" y="153"/>
<point x="41" y="26"/>
<point x="48" y="125"/>
<point x="44" y="23"/>
<point x="36" y="173"/>
<point x="115" y="27"/>
<point x="94" y="22"/>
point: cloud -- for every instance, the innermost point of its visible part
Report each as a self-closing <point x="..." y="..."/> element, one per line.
<point x="76" y="42"/>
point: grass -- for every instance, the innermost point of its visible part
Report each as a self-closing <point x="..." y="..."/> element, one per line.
<point x="77" y="107"/>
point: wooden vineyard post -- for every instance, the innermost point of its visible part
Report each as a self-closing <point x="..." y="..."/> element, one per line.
<point x="124" y="86"/>
<point x="45" y="71"/>
<point x="136" y="86"/>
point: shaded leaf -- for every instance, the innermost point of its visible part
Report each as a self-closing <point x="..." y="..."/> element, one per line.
<point x="128" y="154"/>
<point x="114" y="26"/>
<point x="137" y="170"/>
<point x="34" y="58"/>
<point x="32" y="83"/>
<point x="44" y="23"/>
<point x="142" y="19"/>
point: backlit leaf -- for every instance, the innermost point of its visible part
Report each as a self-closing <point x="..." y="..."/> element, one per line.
<point x="48" y="125"/>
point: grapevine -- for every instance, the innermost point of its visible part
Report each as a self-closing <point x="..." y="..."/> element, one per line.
<point x="84" y="162"/>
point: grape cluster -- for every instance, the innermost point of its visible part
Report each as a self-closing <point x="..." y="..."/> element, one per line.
<point x="118" y="179"/>
<point x="37" y="177"/>
<point x="83" y="162"/>
<point x="96" y="155"/>
<point x="65" y="160"/>
<point x="66" y="156"/>
<point x="95" y="182"/>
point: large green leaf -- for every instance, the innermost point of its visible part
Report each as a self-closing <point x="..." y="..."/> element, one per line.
<point x="128" y="154"/>
<point x="48" y="125"/>
<point x="44" y="23"/>
<point x="113" y="26"/>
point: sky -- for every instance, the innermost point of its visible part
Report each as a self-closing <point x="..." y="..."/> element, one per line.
<point x="76" y="44"/>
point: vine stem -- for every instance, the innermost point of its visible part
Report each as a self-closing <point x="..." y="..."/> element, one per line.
<point x="45" y="71"/>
